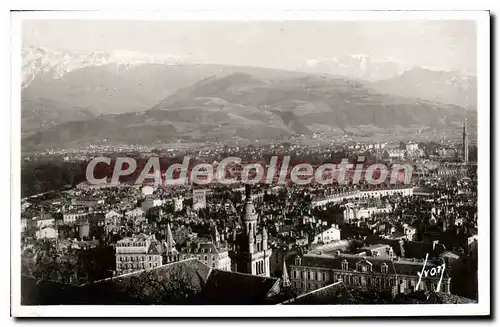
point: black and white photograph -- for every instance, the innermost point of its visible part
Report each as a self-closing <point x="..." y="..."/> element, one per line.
<point x="204" y="165"/>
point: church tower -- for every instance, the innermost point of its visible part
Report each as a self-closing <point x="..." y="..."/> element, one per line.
<point x="251" y="255"/>
<point x="465" y="142"/>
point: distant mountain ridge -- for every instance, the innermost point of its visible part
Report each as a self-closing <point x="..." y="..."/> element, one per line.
<point x="243" y="106"/>
<point x="38" y="61"/>
<point x="114" y="87"/>
<point x="446" y="87"/>
<point x="357" y="66"/>
<point x="64" y="86"/>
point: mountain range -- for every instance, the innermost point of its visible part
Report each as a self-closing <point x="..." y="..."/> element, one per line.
<point x="73" y="97"/>
<point x="445" y="87"/>
<point x="50" y="63"/>
<point x="240" y="106"/>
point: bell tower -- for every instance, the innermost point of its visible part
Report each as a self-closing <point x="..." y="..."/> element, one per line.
<point x="249" y="220"/>
<point x="253" y="253"/>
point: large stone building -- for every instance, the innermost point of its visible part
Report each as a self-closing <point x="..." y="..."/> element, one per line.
<point x="137" y="253"/>
<point x="250" y="253"/>
<point x="354" y="211"/>
<point x="329" y="235"/>
<point x="213" y="253"/>
<point x="313" y="271"/>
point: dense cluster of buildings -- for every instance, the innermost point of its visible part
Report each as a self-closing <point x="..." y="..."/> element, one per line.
<point x="297" y="240"/>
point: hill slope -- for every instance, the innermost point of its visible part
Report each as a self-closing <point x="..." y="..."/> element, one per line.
<point x="243" y="106"/>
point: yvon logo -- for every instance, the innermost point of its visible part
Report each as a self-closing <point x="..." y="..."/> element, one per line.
<point x="433" y="272"/>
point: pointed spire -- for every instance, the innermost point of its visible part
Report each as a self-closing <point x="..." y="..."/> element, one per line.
<point x="285" y="279"/>
<point x="215" y="234"/>
<point x="169" y="239"/>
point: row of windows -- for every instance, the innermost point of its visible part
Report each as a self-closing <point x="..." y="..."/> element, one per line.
<point x="306" y="286"/>
<point x="259" y="267"/>
<point x="379" y="282"/>
<point x="137" y="244"/>
<point x="123" y="266"/>
<point x="309" y="275"/>
<point x="139" y="258"/>
<point x="321" y="276"/>
<point x="199" y="257"/>
<point x="364" y="267"/>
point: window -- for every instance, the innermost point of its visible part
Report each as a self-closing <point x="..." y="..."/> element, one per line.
<point x="345" y="265"/>
<point x="384" y="268"/>
<point x="206" y="258"/>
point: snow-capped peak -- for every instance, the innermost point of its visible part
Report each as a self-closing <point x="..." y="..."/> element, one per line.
<point x="39" y="60"/>
<point x="357" y="66"/>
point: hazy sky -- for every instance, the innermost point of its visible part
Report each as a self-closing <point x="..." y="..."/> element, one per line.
<point x="448" y="45"/>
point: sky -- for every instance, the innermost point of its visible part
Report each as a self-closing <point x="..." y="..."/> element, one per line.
<point x="445" y="45"/>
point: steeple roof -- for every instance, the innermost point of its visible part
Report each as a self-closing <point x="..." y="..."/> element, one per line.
<point x="169" y="241"/>
<point x="249" y="212"/>
<point x="284" y="277"/>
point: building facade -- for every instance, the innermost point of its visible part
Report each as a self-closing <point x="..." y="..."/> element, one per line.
<point x="313" y="271"/>
<point x="329" y="235"/>
<point x="137" y="253"/>
<point x="214" y="255"/>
